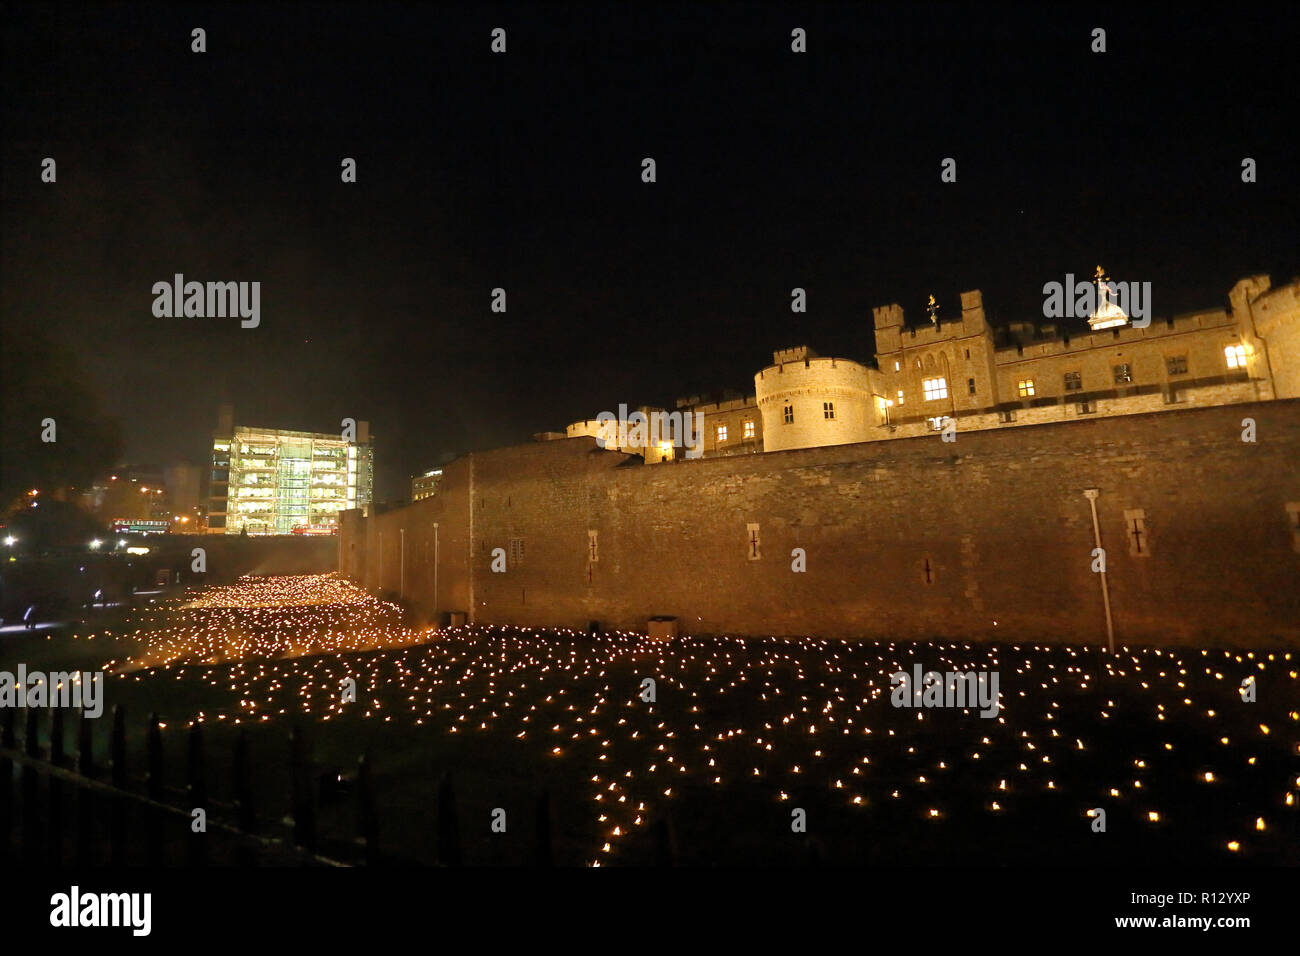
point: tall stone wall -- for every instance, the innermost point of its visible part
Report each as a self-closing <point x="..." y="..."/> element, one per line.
<point x="986" y="538"/>
<point x="416" y="554"/>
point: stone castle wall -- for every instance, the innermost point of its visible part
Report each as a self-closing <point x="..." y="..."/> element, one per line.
<point x="986" y="538"/>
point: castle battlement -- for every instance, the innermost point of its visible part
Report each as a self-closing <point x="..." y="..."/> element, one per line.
<point x="1022" y="373"/>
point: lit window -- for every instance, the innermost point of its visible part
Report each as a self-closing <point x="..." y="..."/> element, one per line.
<point x="749" y="429"/>
<point x="1026" y="387"/>
<point x="935" y="388"/>
<point x="828" y="410"/>
<point x="1073" y="381"/>
<point x="1236" y="356"/>
<point x="722" y="433"/>
<point x="789" y="414"/>
<point x="900" y="396"/>
<point x="896" y="366"/>
<point x="1123" y="373"/>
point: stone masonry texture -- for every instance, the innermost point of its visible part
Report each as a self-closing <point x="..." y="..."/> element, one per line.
<point x="988" y="538"/>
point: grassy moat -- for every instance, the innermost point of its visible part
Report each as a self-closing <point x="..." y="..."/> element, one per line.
<point x="740" y="735"/>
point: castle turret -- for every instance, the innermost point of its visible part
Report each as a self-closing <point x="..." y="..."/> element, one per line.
<point x="808" y="401"/>
<point x="889" y="326"/>
<point x="1268" y="320"/>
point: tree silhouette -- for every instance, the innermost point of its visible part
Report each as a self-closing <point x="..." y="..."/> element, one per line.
<point x="39" y="381"/>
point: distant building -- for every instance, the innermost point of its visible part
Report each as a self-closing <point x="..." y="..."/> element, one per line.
<point x="273" y="481"/>
<point x="129" y="492"/>
<point x="182" y="481"/>
<point x="425" y="485"/>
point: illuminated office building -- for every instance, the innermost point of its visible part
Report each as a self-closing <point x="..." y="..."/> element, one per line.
<point x="271" y="481"/>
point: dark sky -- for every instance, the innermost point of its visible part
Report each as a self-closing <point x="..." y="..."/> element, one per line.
<point x="522" y="171"/>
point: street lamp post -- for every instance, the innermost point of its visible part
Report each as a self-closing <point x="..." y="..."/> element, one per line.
<point x="1091" y="495"/>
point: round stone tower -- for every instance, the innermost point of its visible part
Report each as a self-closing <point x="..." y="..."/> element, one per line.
<point x="807" y="401"/>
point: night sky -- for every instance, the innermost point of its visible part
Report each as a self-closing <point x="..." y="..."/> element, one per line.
<point x="523" y="171"/>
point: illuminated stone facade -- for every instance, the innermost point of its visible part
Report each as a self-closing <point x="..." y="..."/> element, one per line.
<point x="731" y="423"/>
<point x="989" y="539"/>
<point x="809" y="401"/>
<point x="961" y="370"/>
<point x="1030" y="373"/>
